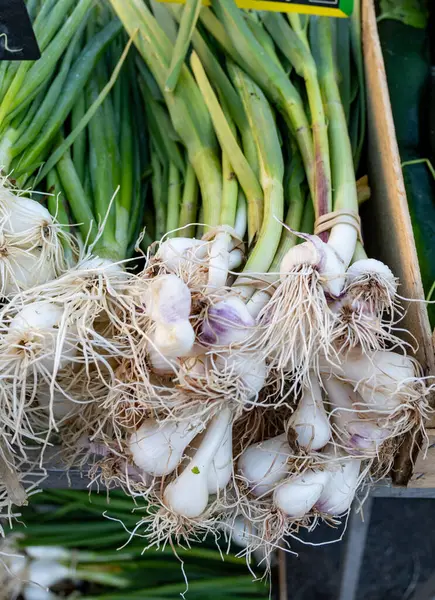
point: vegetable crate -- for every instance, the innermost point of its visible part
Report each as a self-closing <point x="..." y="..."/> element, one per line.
<point x="391" y="239"/>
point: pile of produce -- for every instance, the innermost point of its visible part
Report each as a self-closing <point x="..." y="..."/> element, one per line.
<point x="189" y="310"/>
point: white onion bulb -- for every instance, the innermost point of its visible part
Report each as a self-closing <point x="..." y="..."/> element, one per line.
<point x="167" y="299"/>
<point x="221" y="468"/>
<point x="188" y="494"/>
<point x="264" y="464"/>
<point x="338" y="494"/>
<point x="297" y="496"/>
<point x="23" y="269"/>
<point x="226" y="322"/>
<point x="310" y="420"/>
<point x="36" y="327"/>
<point x="158" y="448"/>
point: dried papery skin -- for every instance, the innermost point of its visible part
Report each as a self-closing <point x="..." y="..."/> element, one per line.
<point x="263" y="464"/>
<point x="26" y="479"/>
<point x="297" y="496"/>
<point x="9" y="477"/>
<point x="310" y="420"/>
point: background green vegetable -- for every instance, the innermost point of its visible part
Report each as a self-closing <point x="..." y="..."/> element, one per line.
<point x="405" y="39"/>
<point x="74" y="520"/>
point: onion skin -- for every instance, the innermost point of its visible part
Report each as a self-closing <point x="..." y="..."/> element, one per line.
<point x="158" y="448"/>
<point x="264" y="464"/>
<point x="297" y="496"/>
<point x="310" y="420"/>
<point x="338" y="494"/>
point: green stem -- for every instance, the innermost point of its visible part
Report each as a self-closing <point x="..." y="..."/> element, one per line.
<point x="200" y="227"/>
<point x="189" y="204"/>
<point x="270" y="77"/>
<point x="79" y="204"/>
<point x="343" y="175"/>
<point x="124" y="199"/>
<point x="240" y="165"/>
<point x="295" y="211"/>
<point x="307" y="224"/>
<point x="360" y="253"/>
<point x="302" y="60"/>
<point x="158" y="187"/>
<point x="79" y="146"/>
<point x="187" y="25"/>
<point x="299" y="25"/>
<point x="356" y="44"/>
<point x="262" y="120"/>
<point x="229" y="192"/>
<point x="74" y="87"/>
<point x="28" y="79"/>
<point x="174" y="198"/>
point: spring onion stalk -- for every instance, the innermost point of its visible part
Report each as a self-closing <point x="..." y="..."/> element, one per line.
<point x="195" y="130"/>
<point x="271" y="175"/>
<point x="272" y="79"/>
<point x="187" y="25"/>
<point x="314" y="265"/>
<point x="303" y="63"/>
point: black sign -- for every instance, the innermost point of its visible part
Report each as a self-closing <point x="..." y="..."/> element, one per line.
<point x="17" y="40"/>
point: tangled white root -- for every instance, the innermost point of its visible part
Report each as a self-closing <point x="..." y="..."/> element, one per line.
<point x="371" y="283"/>
<point x="295" y="326"/>
<point x="354" y="326"/>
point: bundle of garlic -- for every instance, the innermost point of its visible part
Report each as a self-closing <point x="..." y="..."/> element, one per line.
<point x="248" y="376"/>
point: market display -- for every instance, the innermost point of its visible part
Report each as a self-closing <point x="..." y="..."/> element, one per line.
<point x="189" y="309"/>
